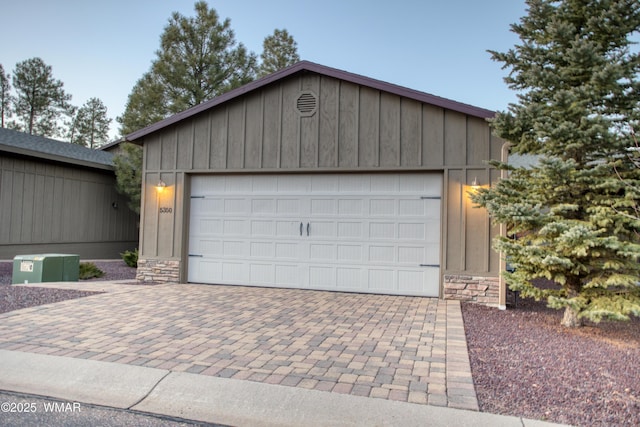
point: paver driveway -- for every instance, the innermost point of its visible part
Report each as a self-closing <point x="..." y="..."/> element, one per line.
<point x="400" y="348"/>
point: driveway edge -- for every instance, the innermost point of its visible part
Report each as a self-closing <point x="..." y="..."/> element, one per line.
<point x="220" y="400"/>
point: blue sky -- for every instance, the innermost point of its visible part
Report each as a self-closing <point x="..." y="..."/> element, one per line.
<point x="100" y="49"/>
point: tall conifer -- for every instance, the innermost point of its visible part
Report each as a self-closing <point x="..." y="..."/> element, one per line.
<point x="571" y="217"/>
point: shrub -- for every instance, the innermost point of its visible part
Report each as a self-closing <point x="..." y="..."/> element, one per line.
<point x="88" y="270"/>
<point x="130" y="258"/>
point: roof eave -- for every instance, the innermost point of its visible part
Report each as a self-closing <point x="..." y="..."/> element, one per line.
<point x="54" y="158"/>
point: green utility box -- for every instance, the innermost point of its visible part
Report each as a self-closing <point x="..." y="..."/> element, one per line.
<point x="46" y="268"/>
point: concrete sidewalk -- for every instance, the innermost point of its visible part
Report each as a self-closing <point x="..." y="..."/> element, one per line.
<point x="220" y="400"/>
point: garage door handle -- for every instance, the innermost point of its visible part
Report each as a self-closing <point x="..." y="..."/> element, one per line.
<point x="308" y="225"/>
<point x="301" y="226"/>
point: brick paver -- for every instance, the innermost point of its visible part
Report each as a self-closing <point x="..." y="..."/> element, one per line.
<point x="389" y="347"/>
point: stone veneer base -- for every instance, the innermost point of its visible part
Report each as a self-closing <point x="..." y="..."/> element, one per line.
<point x="478" y="289"/>
<point x="158" y="271"/>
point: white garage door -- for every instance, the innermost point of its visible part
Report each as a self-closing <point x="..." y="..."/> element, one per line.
<point x="377" y="233"/>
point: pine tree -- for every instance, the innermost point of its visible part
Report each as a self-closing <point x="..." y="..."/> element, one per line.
<point x="571" y="217"/>
<point x="198" y="59"/>
<point x="279" y="51"/>
<point x="128" y="165"/>
<point x="91" y="124"/>
<point x="41" y="100"/>
<point x="5" y="97"/>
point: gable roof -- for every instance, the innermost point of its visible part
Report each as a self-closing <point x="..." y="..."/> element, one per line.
<point x="322" y="70"/>
<point x="13" y="141"/>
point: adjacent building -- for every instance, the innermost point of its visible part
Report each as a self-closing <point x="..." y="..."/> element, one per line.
<point x="57" y="197"/>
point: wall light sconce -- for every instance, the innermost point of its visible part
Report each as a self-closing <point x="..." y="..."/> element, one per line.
<point x="114" y="205"/>
<point x="475" y="184"/>
<point x="160" y="186"/>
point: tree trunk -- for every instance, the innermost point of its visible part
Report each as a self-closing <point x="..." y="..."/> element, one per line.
<point x="571" y="319"/>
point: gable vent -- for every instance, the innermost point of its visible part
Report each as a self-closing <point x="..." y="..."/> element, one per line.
<point x="307" y="104"/>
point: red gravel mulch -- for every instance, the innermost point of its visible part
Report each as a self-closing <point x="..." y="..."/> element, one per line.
<point x="17" y="297"/>
<point x="525" y="364"/>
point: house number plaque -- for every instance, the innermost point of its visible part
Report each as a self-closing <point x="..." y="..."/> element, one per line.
<point x="165" y="210"/>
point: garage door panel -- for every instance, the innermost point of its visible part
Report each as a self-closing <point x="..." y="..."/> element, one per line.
<point x="413" y="255"/>
<point x="384" y="254"/>
<point x="286" y="229"/>
<point x="235" y="249"/>
<point x="412" y="231"/>
<point x="297" y="184"/>
<point x="263" y="274"/>
<point x="289" y="275"/>
<point x="235" y="272"/>
<point x="235" y="227"/>
<point x="412" y="207"/>
<point x="382" y="230"/>
<point x="236" y="206"/>
<point x="322" y="252"/>
<point x="382" y="280"/>
<point x="382" y="207"/>
<point x="353" y="207"/>
<point x="411" y="281"/>
<point x="199" y="268"/>
<point x="325" y="183"/>
<point x="352" y="232"/>
<point x="265" y="184"/>
<point x="264" y="228"/>
<point x="351" y="279"/>
<point x="323" y="207"/>
<point x="238" y="184"/>
<point x="208" y="247"/>
<point x="382" y="183"/>
<point x="286" y="250"/>
<point x="288" y="207"/>
<point x="263" y="206"/>
<point x="413" y="183"/>
<point x="321" y="229"/>
<point x="350" y="253"/>
<point x="324" y="277"/>
<point x="204" y="226"/>
<point x="262" y="250"/>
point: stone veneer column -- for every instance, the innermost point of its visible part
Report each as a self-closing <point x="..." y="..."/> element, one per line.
<point x="478" y="289"/>
<point x="158" y="271"/>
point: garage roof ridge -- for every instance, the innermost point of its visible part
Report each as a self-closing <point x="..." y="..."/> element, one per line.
<point x="319" y="69"/>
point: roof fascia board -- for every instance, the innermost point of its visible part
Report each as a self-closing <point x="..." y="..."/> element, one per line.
<point x="53" y="157"/>
<point x="319" y="69"/>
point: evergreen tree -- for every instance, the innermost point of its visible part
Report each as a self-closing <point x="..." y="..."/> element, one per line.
<point x="91" y="124"/>
<point x="5" y="97"/>
<point x="198" y="59"/>
<point x="41" y="100"/>
<point x="145" y="105"/>
<point x="571" y="217"/>
<point x="279" y="51"/>
<point x="128" y="165"/>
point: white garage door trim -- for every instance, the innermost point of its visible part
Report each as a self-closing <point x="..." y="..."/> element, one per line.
<point x="376" y="233"/>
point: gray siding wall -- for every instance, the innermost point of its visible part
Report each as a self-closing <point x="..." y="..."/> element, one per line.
<point x="52" y="208"/>
<point x="354" y="128"/>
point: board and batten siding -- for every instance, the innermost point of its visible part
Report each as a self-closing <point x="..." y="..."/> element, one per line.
<point x="46" y="207"/>
<point x="353" y="128"/>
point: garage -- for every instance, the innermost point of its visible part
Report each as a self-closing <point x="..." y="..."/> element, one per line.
<point x="317" y="178"/>
<point x="376" y="233"/>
